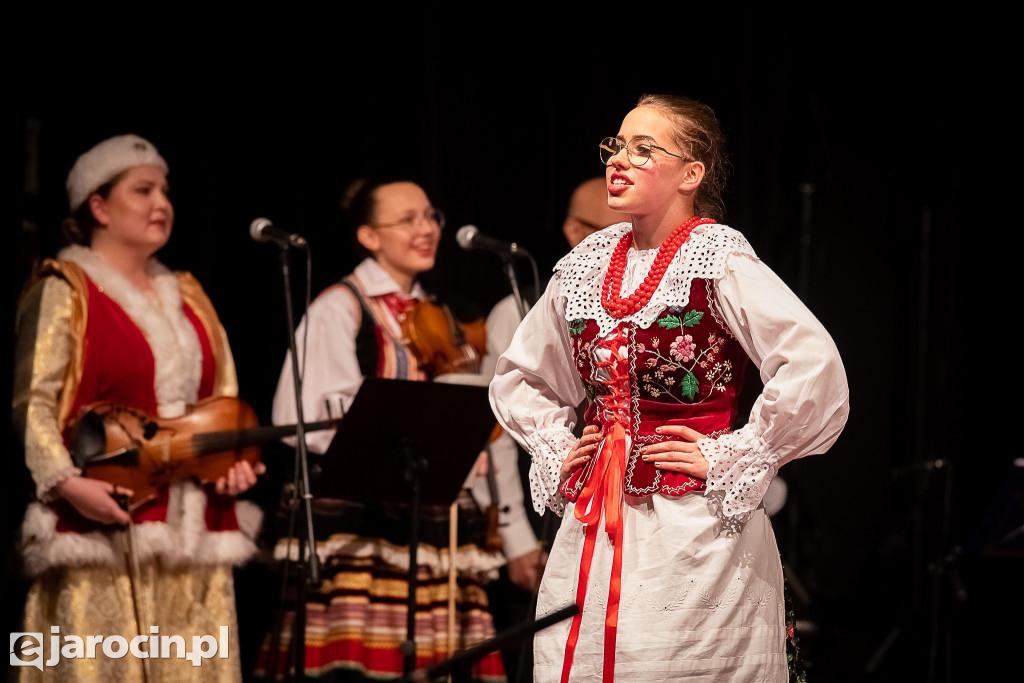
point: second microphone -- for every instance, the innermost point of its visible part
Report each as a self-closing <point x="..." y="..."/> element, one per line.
<point x="263" y="230"/>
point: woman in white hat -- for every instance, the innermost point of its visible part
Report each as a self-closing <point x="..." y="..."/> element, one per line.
<point x="107" y="322"/>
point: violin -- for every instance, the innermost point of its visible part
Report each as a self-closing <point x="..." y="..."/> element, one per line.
<point x="129" y="448"/>
<point x="441" y="344"/>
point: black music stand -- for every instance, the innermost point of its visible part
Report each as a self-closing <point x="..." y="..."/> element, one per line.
<point x="406" y="442"/>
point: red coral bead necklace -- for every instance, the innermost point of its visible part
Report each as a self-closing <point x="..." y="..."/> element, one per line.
<point x="619" y="307"/>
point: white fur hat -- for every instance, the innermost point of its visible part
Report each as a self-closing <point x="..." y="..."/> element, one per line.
<point x="105" y="161"/>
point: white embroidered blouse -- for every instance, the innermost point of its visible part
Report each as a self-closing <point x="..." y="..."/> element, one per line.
<point x="801" y="411"/>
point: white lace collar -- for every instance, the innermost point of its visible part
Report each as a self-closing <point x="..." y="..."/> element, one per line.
<point x="581" y="272"/>
<point x="172" y="338"/>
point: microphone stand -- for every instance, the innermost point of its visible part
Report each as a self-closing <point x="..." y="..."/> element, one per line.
<point x="413" y="466"/>
<point x="510" y="272"/>
<point x="301" y="484"/>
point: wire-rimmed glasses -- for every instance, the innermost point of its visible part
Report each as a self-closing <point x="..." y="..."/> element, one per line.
<point x="638" y="150"/>
<point x="409" y="223"/>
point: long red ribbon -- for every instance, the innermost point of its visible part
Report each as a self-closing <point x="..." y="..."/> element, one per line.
<point x="603" y="493"/>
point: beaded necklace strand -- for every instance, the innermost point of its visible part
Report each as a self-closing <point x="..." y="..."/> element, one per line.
<point x="618" y="307"/>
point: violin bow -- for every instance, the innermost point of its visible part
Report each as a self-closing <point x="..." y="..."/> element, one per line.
<point x="492" y="489"/>
<point x="453" y="580"/>
<point x="131" y="562"/>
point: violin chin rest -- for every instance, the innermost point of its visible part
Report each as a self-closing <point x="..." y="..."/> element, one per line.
<point x="88" y="439"/>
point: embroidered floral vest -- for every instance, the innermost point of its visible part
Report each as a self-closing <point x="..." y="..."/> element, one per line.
<point x="685" y="369"/>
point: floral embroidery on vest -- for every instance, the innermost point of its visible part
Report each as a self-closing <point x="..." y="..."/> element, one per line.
<point x="682" y="356"/>
<point x="686" y="368"/>
<point x="577" y="326"/>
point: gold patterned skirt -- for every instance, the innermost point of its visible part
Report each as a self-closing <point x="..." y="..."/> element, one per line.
<point x="97" y="601"/>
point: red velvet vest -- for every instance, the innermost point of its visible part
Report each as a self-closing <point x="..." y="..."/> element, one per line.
<point x="118" y="365"/>
<point x="686" y="369"/>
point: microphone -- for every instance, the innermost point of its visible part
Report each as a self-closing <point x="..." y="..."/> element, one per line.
<point x="262" y="230"/>
<point x="470" y="237"/>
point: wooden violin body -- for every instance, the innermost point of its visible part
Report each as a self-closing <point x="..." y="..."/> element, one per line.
<point x="128" y="448"/>
<point x="441" y="344"/>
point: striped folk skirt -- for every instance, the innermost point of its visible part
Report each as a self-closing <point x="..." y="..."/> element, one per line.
<point x="356" y="619"/>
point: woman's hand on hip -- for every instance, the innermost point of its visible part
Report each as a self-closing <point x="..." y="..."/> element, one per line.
<point x="582" y="451"/>
<point x="678" y="456"/>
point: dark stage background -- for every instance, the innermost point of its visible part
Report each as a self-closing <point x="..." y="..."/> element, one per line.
<point x="844" y="136"/>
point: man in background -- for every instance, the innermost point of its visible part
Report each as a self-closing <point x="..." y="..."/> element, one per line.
<point x="588" y="212"/>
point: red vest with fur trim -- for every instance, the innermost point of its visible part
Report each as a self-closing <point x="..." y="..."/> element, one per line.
<point x="686" y="369"/>
<point x="118" y="365"/>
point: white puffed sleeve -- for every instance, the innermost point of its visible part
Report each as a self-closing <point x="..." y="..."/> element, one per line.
<point x="805" y="401"/>
<point x="332" y="376"/>
<point x="535" y="391"/>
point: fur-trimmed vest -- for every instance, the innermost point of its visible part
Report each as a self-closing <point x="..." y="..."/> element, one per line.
<point x="157" y="353"/>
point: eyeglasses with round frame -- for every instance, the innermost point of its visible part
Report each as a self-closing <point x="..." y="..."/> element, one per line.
<point x="409" y="223"/>
<point x="638" y="150"/>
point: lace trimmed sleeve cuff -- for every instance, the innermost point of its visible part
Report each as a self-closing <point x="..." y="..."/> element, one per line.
<point x="805" y="401"/>
<point x="740" y="468"/>
<point x="548" y="448"/>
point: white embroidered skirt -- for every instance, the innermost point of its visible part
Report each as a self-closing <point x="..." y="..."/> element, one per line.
<point x="695" y="602"/>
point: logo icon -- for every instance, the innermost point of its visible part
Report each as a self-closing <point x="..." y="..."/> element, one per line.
<point x="29" y="653"/>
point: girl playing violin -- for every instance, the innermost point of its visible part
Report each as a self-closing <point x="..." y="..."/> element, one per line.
<point x="107" y="322"/>
<point x="355" y="329"/>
